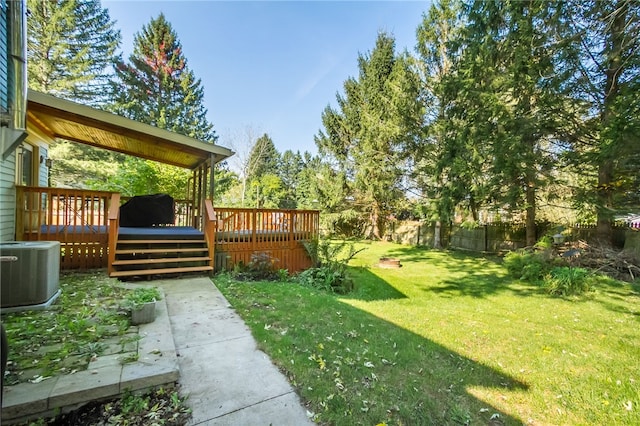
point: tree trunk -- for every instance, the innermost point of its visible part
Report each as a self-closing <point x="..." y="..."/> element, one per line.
<point x="436" y="235"/>
<point x="604" y="230"/>
<point x="373" y="218"/>
<point x="531" y="214"/>
<point x="606" y="168"/>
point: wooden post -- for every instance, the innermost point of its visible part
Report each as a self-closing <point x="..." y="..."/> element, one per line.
<point x="254" y="224"/>
<point x="114" y="219"/>
<point x="212" y="180"/>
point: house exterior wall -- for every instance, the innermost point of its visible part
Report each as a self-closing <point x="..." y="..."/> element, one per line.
<point x="8" y="165"/>
<point x="7" y="197"/>
<point x="4" y="58"/>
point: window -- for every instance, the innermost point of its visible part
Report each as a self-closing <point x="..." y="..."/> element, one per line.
<point x="25" y="165"/>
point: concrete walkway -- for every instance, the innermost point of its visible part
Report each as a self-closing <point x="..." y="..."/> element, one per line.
<point x="228" y="380"/>
<point x="198" y="340"/>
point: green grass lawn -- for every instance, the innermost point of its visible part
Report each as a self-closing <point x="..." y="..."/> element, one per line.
<point x="449" y="339"/>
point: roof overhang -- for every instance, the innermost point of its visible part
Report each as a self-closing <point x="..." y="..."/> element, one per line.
<point x="59" y="118"/>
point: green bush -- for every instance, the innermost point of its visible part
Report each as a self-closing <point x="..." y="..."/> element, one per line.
<point x="327" y="278"/>
<point x="261" y="267"/>
<point x="329" y="271"/>
<point x="567" y="281"/>
<point x="528" y="266"/>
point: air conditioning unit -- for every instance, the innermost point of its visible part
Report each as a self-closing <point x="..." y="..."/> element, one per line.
<point x="29" y="274"/>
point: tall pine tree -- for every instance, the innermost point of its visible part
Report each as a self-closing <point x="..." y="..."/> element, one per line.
<point x="71" y="47"/>
<point x="158" y="88"/>
<point x="377" y="115"/>
<point x="605" y="63"/>
<point x="446" y="167"/>
<point x="508" y="76"/>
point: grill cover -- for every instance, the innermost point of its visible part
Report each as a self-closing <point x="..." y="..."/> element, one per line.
<point x="143" y="211"/>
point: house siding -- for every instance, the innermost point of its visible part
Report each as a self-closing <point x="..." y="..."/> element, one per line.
<point x="7" y="198"/>
<point x="8" y="165"/>
<point x="4" y="62"/>
<point x="43" y="172"/>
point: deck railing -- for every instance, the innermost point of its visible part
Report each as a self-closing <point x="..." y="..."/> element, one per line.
<point x="242" y="233"/>
<point x="114" y="224"/>
<point x="86" y="225"/>
<point x="76" y="218"/>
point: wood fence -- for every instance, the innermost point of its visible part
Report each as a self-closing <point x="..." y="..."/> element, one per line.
<point x="495" y="237"/>
<point x="86" y="225"/>
<point x="76" y="218"/>
<point x="279" y="234"/>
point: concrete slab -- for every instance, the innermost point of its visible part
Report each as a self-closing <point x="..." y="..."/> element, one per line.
<point x="207" y="326"/>
<point x="225" y="377"/>
<point x="284" y="410"/>
<point x="115" y="360"/>
<point x="25" y="398"/>
<point x="85" y="386"/>
<point x="140" y="375"/>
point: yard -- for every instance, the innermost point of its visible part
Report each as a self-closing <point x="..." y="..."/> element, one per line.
<point x="449" y="338"/>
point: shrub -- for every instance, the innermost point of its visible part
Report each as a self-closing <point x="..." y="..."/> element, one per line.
<point x="329" y="271"/>
<point x="528" y="266"/>
<point x="348" y="223"/>
<point x="327" y="278"/>
<point x="567" y="281"/>
<point x="260" y="267"/>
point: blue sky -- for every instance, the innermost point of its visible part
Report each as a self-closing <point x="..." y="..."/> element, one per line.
<point x="272" y="66"/>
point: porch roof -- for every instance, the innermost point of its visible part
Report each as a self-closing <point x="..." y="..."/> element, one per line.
<point x="59" y="118"/>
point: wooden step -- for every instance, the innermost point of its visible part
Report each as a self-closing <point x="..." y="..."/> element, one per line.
<point x="162" y="250"/>
<point x="160" y="260"/>
<point x="199" y="241"/>
<point x="132" y="273"/>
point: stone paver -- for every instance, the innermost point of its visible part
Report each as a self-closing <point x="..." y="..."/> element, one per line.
<point x="198" y="340"/>
<point x="106" y="376"/>
<point x="228" y="380"/>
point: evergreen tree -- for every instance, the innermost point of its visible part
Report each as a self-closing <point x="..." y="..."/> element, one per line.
<point x="289" y="170"/>
<point x="157" y="87"/>
<point x="445" y="166"/>
<point x="377" y="115"/>
<point x="605" y="63"/>
<point x="265" y="186"/>
<point x="71" y="47"/>
<point x="264" y="158"/>
<point x="510" y="84"/>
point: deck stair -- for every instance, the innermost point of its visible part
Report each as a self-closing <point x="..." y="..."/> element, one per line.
<point x="145" y="255"/>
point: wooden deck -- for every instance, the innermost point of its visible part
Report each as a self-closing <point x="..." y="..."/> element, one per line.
<point x="241" y="233"/>
<point x="86" y="224"/>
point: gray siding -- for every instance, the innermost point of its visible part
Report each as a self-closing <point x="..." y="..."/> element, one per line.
<point x="8" y="166"/>
<point x="43" y="173"/>
<point x="7" y="198"/>
<point x="4" y="63"/>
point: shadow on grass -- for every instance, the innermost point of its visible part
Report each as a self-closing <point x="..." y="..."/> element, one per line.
<point x="370" y="287"/>
<point x="439" y="373"/>
<point x="415" y="381"/>
<point x="472" y="273"/>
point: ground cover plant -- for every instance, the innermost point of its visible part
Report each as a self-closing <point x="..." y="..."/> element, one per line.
<point x="89" y="318"/>
<point x="62" y="340"/>
<point x="449" y="338"/>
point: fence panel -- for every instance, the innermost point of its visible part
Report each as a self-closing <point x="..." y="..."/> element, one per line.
<point x="75" y="218"/>
<point x="240" y="233"/>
